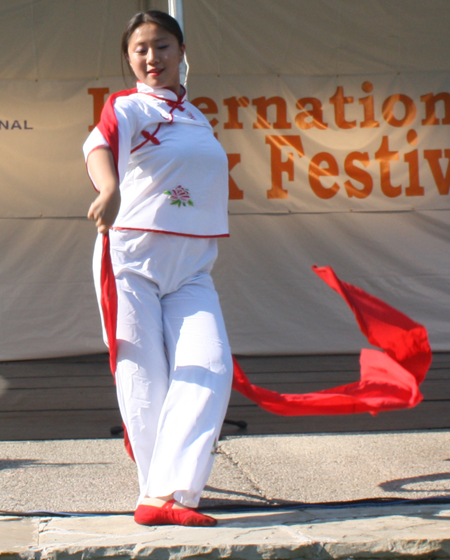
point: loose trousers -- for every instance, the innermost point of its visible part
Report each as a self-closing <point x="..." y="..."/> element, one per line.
<point x="174" y="364"/>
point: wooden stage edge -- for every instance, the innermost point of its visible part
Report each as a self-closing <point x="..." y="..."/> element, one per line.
<point x="74" y="398"/>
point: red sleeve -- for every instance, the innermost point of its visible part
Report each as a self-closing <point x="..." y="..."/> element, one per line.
<point x="108" y="123"/>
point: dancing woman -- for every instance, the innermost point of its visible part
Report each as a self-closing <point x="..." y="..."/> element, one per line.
<point x="163" y="189"/>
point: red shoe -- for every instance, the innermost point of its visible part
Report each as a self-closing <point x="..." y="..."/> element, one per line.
<point x="167" y="515"/>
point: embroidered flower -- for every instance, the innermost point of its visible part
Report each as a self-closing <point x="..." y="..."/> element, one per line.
<point x="180" y="196"/>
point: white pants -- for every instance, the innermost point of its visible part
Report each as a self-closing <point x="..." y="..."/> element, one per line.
<point x="174" y="365"/>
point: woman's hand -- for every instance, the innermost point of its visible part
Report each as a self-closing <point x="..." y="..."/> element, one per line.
<point x="104" y="209"/>
<point x="106" y="206"/>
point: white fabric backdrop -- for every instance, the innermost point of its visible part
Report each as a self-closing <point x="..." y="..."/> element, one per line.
<point x="289" y="130"/>
<point x="395" y="248"/>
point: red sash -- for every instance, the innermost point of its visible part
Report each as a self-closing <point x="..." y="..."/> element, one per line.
<point x="389" y="380"/>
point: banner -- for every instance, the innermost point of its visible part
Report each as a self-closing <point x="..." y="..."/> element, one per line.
<point x="334" y="115"/>
<point x="294" y="144"/>
<point x="334" y="144"/>
<point x="348" y="171"/>
<point x="43" y="125"/>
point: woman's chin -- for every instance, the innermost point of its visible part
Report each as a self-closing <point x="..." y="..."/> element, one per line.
<point x="158" y="82"/>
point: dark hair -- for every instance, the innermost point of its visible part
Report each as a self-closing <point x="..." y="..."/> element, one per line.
<point x="162" y="19"/>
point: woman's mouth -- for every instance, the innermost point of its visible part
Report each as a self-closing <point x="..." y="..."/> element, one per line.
<point x="154" y="72"/>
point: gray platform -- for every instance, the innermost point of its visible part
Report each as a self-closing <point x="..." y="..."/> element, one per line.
<point x="365" y="532"/>
<point x="274" y="497"/>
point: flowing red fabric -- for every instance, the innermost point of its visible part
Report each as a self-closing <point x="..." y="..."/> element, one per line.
<point x="109" y="302"/>
<point x="109" y="310"/>
<point x="389" y="380"/>
<point x="109" y="128"/>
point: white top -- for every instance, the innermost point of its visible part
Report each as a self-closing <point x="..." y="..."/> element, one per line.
<point x="173" y="172"/>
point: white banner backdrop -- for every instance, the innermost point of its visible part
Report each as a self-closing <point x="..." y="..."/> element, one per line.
<point x="295" y="90"/>
<point x="47" y="300"/>
<point x="297" y="144"/>
<point x="43" y="126"/>
<point x="340" y="144"/>
<point x="274" y="304"/>
<point x="379" y="218"/>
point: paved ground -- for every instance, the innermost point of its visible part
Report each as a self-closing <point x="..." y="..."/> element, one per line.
<point x="97" y="475"/>
<point x="365" y="532"/>
<point x="253" y="479"/>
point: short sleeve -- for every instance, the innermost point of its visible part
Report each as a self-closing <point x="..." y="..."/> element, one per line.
<point x="115" y="130"/>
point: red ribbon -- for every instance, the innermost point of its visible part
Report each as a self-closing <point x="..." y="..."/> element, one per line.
<point x="388" y="381"/>
<point x="109" y="302"/>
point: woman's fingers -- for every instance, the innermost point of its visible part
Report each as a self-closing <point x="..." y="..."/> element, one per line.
<point x="103" y="228"/>
<point x="104" y="209"/>
<point x="94" y="212"/>
<point x="96" y="215"/>
<point x="102" y="225"/>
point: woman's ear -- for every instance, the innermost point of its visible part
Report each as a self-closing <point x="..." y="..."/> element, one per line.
<point x="182" y="51"/>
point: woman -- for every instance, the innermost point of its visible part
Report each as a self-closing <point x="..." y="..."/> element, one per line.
<point x="163" y="188"/>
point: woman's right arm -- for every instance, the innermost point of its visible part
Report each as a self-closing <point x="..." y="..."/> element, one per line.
<point x="102" y="171"/>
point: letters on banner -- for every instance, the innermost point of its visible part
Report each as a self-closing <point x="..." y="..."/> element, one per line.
<point x="294" y="143"/>
<point x="358" y="143"/>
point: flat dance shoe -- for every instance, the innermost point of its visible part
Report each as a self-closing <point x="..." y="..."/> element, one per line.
<point x="168" y="515"/>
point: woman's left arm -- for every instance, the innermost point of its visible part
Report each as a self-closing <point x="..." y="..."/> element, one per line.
<point x="102" y="171"/>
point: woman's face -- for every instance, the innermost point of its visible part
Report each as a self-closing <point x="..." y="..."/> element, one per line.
<point x="155" y="55"/>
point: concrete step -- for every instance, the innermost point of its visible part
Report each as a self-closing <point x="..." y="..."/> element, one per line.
<point x="387" y="531"/>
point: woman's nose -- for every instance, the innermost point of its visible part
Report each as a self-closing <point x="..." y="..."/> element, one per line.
<point x="151" y="56"/>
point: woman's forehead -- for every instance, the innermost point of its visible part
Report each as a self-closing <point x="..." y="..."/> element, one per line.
<point x="149" y="32"/>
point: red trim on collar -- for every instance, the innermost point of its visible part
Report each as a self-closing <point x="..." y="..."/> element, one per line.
<point x="174" y="104"/>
